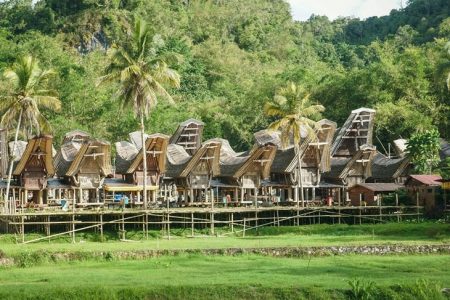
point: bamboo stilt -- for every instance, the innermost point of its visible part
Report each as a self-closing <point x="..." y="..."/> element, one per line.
<point x="101" y="227"/>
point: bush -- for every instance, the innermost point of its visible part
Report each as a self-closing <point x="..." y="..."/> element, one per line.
<point x="361" y="290"/>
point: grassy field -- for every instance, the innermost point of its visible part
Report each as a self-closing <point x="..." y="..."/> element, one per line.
<point x="312" y="235"/>
<point x="243" y="276"/>
<point x="221" y="277"/>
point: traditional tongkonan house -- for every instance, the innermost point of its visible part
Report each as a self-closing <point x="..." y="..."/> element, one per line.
<point x="129" y="177"/>
<point x="242" y="174"/>
<point x="314" y="150"/>
<point x="352" y="151"/>
<point x="33" y="170"/>
<point x="390" y="170"/>
<point x="83" y="163"/>
<point x="188" y="135"/>
<point x="188" y="178"/>
<point x="16" y="154"/>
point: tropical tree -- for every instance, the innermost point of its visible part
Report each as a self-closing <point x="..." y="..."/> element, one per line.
<point x="423" y="148"/>
<point x="443" y="68"/>
<point x="141" y="74"/>
<point x="296" y="115"/>
<point x="28" y="92"/>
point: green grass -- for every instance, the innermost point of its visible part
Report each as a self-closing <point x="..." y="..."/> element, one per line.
<point x="311" y="235"/>
<point x="194" y="276"/>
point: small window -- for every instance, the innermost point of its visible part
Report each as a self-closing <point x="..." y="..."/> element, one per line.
<point x="430" y="191"/>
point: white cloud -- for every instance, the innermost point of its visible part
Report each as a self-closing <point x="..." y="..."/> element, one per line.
<point x="302" y="9"/>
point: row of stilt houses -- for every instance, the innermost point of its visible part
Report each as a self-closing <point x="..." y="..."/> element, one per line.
<point x="184" y="170"/>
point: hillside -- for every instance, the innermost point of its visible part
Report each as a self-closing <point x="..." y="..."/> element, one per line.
<point x="232" y="56"/>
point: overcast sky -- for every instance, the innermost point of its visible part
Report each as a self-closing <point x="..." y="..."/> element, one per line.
<point x="303" y="9"/>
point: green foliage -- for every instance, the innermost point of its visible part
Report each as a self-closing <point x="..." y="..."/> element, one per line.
<point x="232" y="56"/>
<point x="140" y="71"/>
<point x="444" y="168"/>
<point x="295" y="113"/>
<point x="425" y="289"/>
<point x="27" y="93"/>
<point x="198" y="276"/>
<point x="423" y="148"/>
<point x="362" y="290"/>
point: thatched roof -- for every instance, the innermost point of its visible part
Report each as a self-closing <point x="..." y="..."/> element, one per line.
<point x="20" y="148"/>
<point x="92" y="150"/>
<point x="230" y="160"/>
<point x="56" y="183"/>
<point x="76" y="136"/>
<point x="388" y="169"/>
<point x="181" y="164"/>
<point x="286" y="160"/>
<point x="136" y="139"/>
<point x="189" y="135"/>
<point x="177" y="160"/>
<point x="129" y="157"/>
<point x="235" y="165"/>
<point x="37" y="148"/>
<point x="125" y="154"/>
<point x="325" y="134"/>
<point x="266" y="136"/>
<point x="65" y="156"/>
<point x="400" y="146"/>
<point x="76" y="153"/>
<point x="209" y="154"/>
<point x="356" y="131"/>
<point x="341" y="167"/>
<point x="261" y="158"/>
<point x="337" y="166"/>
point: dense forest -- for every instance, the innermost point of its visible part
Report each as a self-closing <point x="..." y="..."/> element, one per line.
<point x="232" y="57"/>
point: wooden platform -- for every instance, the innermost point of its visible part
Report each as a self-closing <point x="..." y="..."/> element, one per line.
<point x="238" y="219"/>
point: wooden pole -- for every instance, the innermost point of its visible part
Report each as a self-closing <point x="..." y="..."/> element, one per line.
<point x="192" y="224"/>
<point x="360" y="208"/>
<point x="73" y="228"/>
<point x="23" y="229"/>
<point x="101" y="227"/>
<point x="47" y="227"/>
<point x="379" y="203"/>
<point x="397" y="208"/>
<point x="123" y="226"/>
<point x="168" y="225"/>
<point x="232" y="222"/>
<point x="417" y="205"/>
<point x="212" y="223"/>
<point x="13" y="202"/>
<point x="73" y="201"/>
<point x="146" y="225"/>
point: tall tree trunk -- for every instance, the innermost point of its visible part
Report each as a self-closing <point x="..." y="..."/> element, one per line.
<point x="11" y="164"/>
<point x="144" y="163"/>
<point x="300" y="176"/>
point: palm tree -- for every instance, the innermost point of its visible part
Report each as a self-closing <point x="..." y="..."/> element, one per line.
<point x="141" y="75"/>
<point x="293" y="108"/>
<point x="28" y="93"/>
